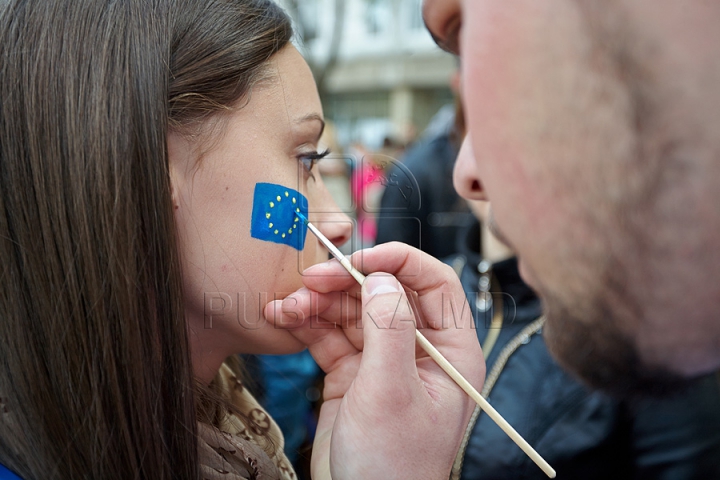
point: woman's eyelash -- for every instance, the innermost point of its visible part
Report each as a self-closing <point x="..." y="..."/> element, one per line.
<point x="311" y="158"/>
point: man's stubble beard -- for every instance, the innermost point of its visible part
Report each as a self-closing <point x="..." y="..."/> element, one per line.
<point x="588" y="341"/>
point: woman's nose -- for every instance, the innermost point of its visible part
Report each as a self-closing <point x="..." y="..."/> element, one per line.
<point x="336" y="226"/>
<point x="331" y="220"/>
<point x="465" y="175"/>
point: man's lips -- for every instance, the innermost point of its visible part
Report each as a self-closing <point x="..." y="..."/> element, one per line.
<point x="496" y="231"/>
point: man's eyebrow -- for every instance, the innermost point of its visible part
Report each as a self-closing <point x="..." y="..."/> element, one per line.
<point x="313" y="117"/>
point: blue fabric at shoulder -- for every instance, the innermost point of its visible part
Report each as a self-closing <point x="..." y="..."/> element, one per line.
<point x="6" y="474"/>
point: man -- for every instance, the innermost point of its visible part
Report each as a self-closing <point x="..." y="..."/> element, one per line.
<point x="580" y="432"/>
<point x="594" y="126"/>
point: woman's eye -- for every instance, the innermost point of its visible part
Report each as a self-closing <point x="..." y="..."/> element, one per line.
<point x="309" y="160"/>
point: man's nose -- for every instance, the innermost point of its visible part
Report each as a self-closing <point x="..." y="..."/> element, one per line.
<point x="465" y="175"/>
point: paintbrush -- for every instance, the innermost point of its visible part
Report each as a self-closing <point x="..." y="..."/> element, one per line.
<point x="442" y="361"/>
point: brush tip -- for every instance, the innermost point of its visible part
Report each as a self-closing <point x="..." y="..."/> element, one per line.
<point x="302" y="217"/>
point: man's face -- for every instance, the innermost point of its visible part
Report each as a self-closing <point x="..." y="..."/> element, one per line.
<point x="590" y="131"/>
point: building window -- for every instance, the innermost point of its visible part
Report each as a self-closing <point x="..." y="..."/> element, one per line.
<point x="415" y="15"/>
<point x="377" y="16"/>
<point x="308" y="12"/>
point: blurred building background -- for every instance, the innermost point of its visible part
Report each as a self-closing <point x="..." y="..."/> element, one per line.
<point x="379" y="73"/>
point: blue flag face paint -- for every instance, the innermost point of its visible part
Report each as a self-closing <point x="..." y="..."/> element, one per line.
<point x="274" y="216"/>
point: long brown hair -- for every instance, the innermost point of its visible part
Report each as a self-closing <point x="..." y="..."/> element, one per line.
<point x="95" y="377"/>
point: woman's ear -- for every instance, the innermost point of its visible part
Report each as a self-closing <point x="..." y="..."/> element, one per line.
<point x="180" y="161"/>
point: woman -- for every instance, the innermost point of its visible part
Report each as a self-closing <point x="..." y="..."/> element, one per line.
<point x="132" y="137"/>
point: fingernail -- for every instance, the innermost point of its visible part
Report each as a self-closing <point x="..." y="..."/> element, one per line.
<point x="376" y="284"/>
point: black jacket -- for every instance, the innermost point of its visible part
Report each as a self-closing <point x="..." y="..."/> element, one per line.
<point x="419" y="205"/>
<point x="581" y="433"/>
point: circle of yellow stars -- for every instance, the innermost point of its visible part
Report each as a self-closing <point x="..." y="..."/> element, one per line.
<point x="268" y="215"/>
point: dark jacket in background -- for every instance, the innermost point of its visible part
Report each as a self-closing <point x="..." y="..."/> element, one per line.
<point x="582" y="434"/>
<point x="419" y="205"/>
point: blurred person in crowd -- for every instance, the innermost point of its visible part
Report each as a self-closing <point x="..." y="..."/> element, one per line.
<point x="335" y="169"/>
<point x="581" y="433"/>
<point x="420" y="206"/>
<point x="367" y="185"/>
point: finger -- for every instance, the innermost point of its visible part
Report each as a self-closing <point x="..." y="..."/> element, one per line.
<point x="354" y="334"/>
<point x="410" y="266"/>
<point x="286" y="319"/>
<point x="441" y="300"/>
<point x="325" y="311"/>
<point x="439" y="314"/>
<point x="329" y="348"/>
<point x="327" y="344"/>
<point x="338" y="381"/>
<point x="329" y="310"/>
<point x="389" y="336"/>
<point x="338" y="308"/>
<point x="330" y="276"/>
<point x="320" y="460"/>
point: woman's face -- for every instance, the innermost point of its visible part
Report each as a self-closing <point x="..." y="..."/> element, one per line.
<point x="228" y="275"/>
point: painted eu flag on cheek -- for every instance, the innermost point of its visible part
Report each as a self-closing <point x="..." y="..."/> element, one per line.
<point x="273" y="215"/>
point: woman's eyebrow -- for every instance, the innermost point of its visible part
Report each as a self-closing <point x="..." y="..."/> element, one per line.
<point x="311" y="118"/>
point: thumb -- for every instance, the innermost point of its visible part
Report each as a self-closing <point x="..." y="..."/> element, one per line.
<point x="388" y="330"/>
